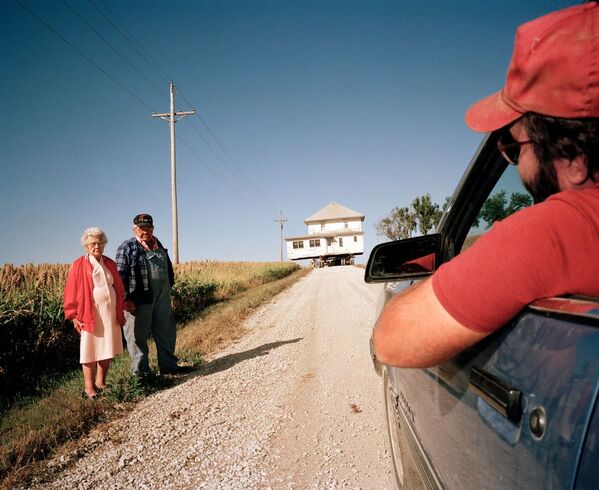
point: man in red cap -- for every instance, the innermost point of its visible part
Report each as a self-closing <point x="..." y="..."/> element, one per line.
<point x="547" y="116"/>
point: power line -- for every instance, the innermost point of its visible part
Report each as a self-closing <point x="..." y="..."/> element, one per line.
<point x="124" y="87"/>
<point x="216" y="174"/>
<point x="257" y="191"/>
<point x="112" y="47"/>
<point x="239" y="167"/>
<point x="81" y="53"/>
<point x="240" y="181"/>
<point x="130" y="39"/>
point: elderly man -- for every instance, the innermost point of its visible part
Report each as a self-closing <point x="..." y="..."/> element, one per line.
<point x="546" y="116"/>
<point x="147" y="273"/>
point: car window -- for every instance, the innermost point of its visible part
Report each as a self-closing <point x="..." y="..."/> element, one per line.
<point x="507" y="197"/>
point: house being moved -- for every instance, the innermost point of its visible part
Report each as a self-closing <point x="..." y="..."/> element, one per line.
<point x="334" y="237"/>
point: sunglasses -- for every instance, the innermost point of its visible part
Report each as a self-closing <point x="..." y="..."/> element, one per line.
<point x="510" y="149"/>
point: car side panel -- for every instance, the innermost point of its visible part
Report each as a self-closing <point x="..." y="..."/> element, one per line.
<point x="553" y="361"/>
<point x="587" y="478"/>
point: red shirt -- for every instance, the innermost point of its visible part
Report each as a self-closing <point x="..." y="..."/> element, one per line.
<point x="79" y="292"/>
<point x="549" y="249"/>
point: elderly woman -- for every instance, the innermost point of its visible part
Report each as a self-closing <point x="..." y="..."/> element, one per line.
<point x="94" y="299"/>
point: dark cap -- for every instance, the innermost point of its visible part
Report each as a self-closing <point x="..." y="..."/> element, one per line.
<point x="143" y="221"/>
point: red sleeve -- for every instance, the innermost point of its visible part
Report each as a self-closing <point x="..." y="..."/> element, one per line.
<point x="539" y="252"/>
<point x="70" y="291"/>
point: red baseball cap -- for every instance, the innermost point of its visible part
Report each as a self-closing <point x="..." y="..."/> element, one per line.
<point x="554" y="71"/>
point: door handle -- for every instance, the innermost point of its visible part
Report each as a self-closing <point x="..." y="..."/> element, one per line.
<point x="503" y="398"/>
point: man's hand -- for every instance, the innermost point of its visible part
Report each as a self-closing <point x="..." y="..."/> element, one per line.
<point x="130" y="306"/>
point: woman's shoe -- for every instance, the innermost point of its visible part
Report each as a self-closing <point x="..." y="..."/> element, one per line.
<point x="85" y="394"/>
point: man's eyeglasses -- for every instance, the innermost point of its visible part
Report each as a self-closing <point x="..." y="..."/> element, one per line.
<point x="509" y="148"/>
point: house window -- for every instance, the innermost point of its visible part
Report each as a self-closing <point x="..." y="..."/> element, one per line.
<point x="314" y="243"/>
<point x="299" y="244"/>
<point x="355" y="239"/>
<point x="340" y="242"/>
<point x="346" y="225"/>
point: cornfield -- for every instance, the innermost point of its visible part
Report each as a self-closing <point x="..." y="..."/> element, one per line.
<point x="35" y="339"/>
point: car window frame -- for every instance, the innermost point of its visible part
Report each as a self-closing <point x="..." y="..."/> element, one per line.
<point x="478" y="181"/>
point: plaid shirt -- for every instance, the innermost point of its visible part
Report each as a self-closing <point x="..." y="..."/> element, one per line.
<point x="131" y="264"/>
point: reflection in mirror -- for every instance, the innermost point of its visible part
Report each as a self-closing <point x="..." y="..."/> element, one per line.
<point x="403" y="259"/>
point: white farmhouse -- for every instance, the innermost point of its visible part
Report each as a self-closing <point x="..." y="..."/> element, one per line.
<point x="334" y="237"/>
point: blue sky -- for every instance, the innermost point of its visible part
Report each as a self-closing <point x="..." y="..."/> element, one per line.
<point x="311" y="102"/>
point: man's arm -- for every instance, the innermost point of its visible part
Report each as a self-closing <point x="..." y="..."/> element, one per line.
<point x="414" y="330"/>
<point x="124" y="269"/>
<point x="122" y="265"/>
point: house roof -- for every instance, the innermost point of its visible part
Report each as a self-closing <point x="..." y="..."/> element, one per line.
<point x="333" y="211"/>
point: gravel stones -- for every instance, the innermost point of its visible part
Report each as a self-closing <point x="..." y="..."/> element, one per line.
<point x="294" y="404"/>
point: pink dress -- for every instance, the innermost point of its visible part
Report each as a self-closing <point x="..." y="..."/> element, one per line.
<point x="105" y="342"/>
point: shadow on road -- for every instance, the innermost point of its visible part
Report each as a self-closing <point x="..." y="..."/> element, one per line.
<point x="226" y="362"/>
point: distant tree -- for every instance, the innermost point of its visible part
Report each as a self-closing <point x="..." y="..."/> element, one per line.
<point x="494" y="208"/>
<point x="401" y="223"/>
<point x="497" y="208"/>
<point x="518" y="200"/>
<point x="446" y="204"/>
<point x="427" y="213"/>
<point x="422" y="215"/>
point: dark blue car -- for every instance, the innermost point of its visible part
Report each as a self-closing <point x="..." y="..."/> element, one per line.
<point x="519" y="409"/>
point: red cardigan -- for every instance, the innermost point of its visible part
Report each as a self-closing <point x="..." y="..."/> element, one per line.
<point x="78" y="292"/>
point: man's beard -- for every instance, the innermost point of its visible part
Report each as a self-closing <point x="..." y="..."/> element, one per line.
<point x="544" y="184"/>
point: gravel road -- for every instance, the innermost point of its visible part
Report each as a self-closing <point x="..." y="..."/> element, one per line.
<point x="295" y="404"/>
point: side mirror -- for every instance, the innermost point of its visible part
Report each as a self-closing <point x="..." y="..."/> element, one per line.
<point x="403" y="259"/>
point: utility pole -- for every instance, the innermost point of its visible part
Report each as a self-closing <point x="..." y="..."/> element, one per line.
<point x="170" y="116"/>
<point x="281" y="221"/>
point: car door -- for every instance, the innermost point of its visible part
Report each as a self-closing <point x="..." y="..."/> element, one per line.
<point x="513" y="410"/>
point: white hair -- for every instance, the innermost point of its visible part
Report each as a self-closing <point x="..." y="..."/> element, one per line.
<point x="93" y="232"/>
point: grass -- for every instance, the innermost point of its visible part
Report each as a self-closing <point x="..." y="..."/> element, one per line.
<point x="222" y="323"/>
<point x="36" y="426"/>
<point x="35" y="338"/>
